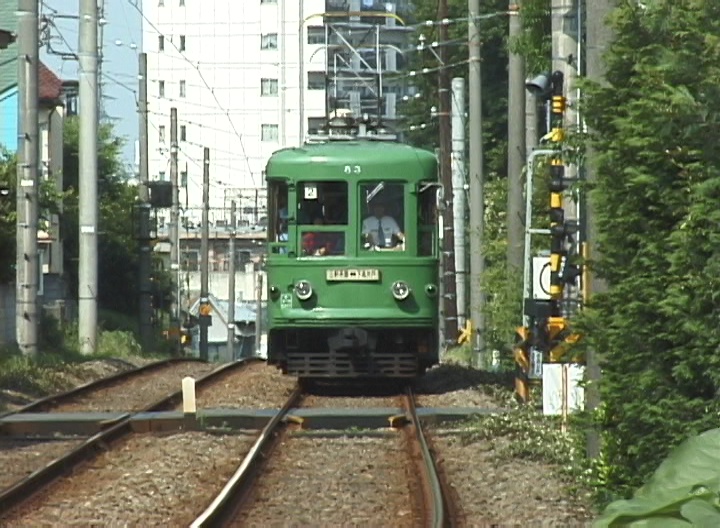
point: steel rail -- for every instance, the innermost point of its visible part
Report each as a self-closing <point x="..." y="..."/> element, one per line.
<point x="120" y="427"/>
<point x="55" y="399"/>
<point x="223" y="507"/>
<point x="432" y="485"/>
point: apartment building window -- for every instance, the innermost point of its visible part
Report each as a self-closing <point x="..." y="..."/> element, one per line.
<point x="316" y="35"/>
<point x="161" y="88"/>
<point x="161" y="133"/>
<point x="316" y="80"/>
<point x="268" y="86"/>
<point x="183" y="133"/>
<point x="161" y="43"/>
<point x="315" y="124"/>
<point x="182" y="88"/>
<point x="269" y="41"/>
<point x="269" y="133"/>
<point x="182" y="42"/>
<point x="183" y="178"/>
<point x="161" y="3"/>
<point x="182" y="3"/>
<point x="268" y="1"/>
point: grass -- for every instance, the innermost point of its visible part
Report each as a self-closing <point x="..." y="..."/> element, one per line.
<point x="59" y="351"/>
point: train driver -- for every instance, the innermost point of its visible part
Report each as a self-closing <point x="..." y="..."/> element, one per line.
<point x="381" y="227"/>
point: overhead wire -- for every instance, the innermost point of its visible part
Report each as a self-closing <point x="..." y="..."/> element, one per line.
<point x="210" y="89"/>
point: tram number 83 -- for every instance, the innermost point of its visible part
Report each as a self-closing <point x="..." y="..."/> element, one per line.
<point x="352" y="169"/>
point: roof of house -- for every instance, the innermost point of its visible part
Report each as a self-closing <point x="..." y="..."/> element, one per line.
<point x="49" y="84"/>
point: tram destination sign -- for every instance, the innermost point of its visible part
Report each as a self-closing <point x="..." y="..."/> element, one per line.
<point x="352" y="274"/>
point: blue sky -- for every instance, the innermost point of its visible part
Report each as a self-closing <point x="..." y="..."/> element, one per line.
<point x="123" y="29"/>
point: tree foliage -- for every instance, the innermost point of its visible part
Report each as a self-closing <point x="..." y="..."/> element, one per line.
<point x="502" y="307"/>
<point x="655" y="125"/>
<point x="117" y="247"/>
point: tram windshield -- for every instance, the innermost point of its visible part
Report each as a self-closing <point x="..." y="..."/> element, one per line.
<point x="382" y="209"/>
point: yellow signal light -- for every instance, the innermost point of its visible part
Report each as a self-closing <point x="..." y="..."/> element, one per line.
<point x="205" y="309"/>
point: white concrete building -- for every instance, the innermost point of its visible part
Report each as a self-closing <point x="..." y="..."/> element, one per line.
<point x="231" y="68"/>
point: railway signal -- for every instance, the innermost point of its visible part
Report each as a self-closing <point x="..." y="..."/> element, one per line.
<point x="548" y="335"/>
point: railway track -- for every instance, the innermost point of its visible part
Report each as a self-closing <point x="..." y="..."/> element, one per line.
<point x="432" y="501"/>
<point x="23" y="491"/>
<point x="119" y="391"/>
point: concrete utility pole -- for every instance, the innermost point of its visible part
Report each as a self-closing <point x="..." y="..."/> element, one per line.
<point x="458" y="187"/>
<point x="231" y="284"/>
<point x="101" y="41"/>
<point x="516" y="145"/>
<point x="204" y="254"/>
<point x="145" y="263"/>
<point x="477" y="184"/>
<point x="88" y="203"/>
<point x="258" y="312"/>
<point x="448" y="249"/>
<point x="175" y="229"/>
<point x="27" y="264"/>
<point x="565" y="58"/>
<point x="598" y="36"/>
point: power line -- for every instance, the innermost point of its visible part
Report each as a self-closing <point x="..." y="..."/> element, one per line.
<point x="202" y="78"/>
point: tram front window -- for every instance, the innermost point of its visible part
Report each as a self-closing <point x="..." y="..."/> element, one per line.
<point x="383" y="212"/>
<point x="320" y="206"/>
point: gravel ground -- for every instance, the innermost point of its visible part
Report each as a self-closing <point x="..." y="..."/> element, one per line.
<point x="333" y="482"/>
<point x="132" y="395"/>
<point x="20" y="458"/>
<point x="495" y="491"/>
<point x="146" y="481"/>
<point x="455" y="386"/>
<point x="254" y="386"/>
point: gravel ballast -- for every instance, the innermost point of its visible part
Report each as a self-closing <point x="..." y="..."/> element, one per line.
<point x="148" y="480"/>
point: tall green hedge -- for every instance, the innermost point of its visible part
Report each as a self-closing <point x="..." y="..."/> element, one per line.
<point x="656" y="125"/>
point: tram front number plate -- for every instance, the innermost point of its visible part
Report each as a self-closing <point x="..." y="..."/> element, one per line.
<point x="346" y="274"/>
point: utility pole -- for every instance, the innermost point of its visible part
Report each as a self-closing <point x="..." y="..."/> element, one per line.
<point x="88" y="106"/>
<point x="565" y="58"/>
<point x="516" y="146"/>
<point x="175" y="230"/>
<point x="27" y="264"/>
<point x="258" y="312"/>
<point x="599" y="36"/>
<point x="448" y="250"/>
<point x="477" y="184"/>
<point x="145" y="264"/>
<point x="205" y="257"/>
<point x="101" y="41"/>
<point x="231" y="285"/>
<point x="458" y="188"/>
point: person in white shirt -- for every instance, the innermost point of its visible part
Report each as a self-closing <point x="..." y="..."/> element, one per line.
<point x="382" y="227"/>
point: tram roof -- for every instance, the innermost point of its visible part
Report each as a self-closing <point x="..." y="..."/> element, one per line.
<point x="368" y="153"/>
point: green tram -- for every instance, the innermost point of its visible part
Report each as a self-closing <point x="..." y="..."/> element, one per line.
<point x="352" y="265"/>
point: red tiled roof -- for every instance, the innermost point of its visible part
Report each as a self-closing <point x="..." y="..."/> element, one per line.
<point x="49" y="85"/>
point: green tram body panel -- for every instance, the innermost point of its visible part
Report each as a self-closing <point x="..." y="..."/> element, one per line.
<point x="353" y="326"/>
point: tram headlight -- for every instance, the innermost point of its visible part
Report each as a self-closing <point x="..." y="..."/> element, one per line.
<point x="303" y="290"/>
<point x="431" y="290"/>
<point x="400" y="290"/>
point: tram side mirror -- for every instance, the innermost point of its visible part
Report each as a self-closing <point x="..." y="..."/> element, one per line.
<point x="440" y="198"/>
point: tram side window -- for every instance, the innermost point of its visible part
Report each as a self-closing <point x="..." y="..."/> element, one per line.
<point x="383" y="213"/>
<point x="278" y="213"/>
<point x="427" y="219"/>
<point x="322" y="205"/>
